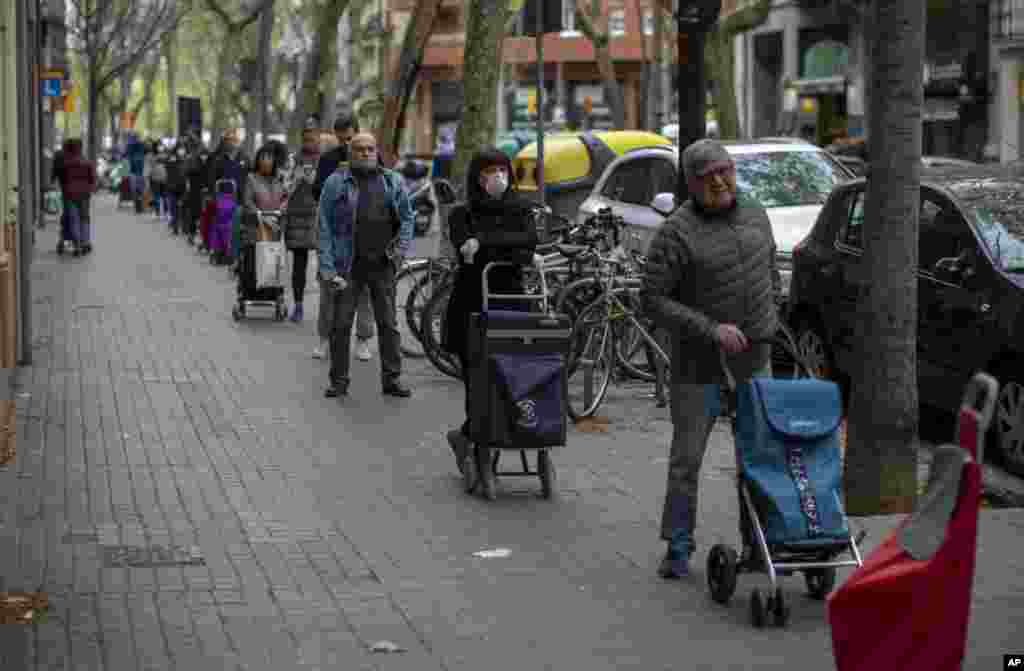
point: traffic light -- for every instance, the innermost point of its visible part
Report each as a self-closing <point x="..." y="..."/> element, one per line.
<point x="531" y="103"/>
<point x="551" y="16"/>
<point x="588" y="105"/>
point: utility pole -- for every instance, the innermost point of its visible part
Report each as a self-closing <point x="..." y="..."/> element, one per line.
<point x="694" y="18"/>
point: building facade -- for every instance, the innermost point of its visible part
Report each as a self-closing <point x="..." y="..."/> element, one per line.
<point x="572" y="83"/>
<point x="804" y="72"/>
<point x="32" y="39"/>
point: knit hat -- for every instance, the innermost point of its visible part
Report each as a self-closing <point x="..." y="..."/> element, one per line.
<point x="704" y="157"/>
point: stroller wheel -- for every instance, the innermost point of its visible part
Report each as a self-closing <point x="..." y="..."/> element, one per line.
<point x="757" y="609"/>
<point x="60" y="248"/>
<point x="820" y="582"/>
<point x="546" y="470"/>
<point x="721" y="568"/>
<point x="779" y="609"/>
<point x="485" y="467"/>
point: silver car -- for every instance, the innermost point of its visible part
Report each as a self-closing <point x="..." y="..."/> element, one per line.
<point x="791" y="181"/>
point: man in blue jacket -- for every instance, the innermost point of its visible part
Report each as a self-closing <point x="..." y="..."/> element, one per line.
<point x="366" y="229"/>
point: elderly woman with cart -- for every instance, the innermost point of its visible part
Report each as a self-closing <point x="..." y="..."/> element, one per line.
<point x="512" y="359"/>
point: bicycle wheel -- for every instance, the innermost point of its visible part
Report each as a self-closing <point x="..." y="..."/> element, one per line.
<point x="429" y="278"/>
<point x="432" y="321"/>
<point x="786" y="359"/>
<point x="405" y="284"/>
<point x="575" y="296"/>
<point x="635" y="355"/>
<point x="591" y="347"/>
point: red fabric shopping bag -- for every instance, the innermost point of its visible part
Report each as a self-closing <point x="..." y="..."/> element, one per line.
<point x="898" y="612"/>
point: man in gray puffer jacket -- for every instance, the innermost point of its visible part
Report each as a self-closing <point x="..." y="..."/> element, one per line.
<point x="711" y="282"/>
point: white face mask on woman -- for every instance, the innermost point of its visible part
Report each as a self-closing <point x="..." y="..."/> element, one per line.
<point x="496" y="184"/>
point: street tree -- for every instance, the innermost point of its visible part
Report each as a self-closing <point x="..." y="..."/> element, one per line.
<point x="111" y="38"/>
<point x="881" y="460"/>
<point x="402" y="81"/>
<point x="234" y="18"/>
<point x="487" y="22"/>
<point x="719" y="57"/>
<point x="594" y="24"/>
<point x="316" y="92"/>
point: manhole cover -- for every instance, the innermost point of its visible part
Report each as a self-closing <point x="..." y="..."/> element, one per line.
<point x="151" y="556"/>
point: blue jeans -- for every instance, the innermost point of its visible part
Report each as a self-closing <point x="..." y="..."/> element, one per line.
<point x="171" y="207"/>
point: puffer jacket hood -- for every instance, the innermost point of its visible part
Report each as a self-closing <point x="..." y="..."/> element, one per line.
<point x="479" y="199"/>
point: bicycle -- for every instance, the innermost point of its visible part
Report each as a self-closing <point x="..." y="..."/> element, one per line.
<point x="595" y="352"/>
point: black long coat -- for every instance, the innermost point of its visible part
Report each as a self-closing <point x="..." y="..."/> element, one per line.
<point x="506" y="233"/>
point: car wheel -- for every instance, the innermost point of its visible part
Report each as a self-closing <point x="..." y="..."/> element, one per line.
<point x="1008" y="427"/>
<point x="814" y="350"/>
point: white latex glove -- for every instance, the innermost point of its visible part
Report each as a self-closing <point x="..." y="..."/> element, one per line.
<point x="469" y="249"/>
<point x="339" y="282"/>
<point x="538" y="261"/>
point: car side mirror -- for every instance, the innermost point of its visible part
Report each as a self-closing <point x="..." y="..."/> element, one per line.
<point x="664" y="203"/>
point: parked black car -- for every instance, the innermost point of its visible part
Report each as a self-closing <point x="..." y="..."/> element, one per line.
<point x="970" y="291"/>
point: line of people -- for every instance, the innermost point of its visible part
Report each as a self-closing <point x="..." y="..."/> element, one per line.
<point x="185" y="180"/>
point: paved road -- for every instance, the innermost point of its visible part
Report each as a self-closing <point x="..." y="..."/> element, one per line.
<point x="150" y="419"/>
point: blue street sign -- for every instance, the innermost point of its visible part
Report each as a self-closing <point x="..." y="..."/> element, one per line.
<point x="51" y="88"/>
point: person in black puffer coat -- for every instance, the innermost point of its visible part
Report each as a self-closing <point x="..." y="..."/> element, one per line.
<point x="494" y="224"/>
<point x="711" y="281"/>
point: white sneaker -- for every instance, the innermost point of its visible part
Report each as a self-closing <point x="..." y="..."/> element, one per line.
<point x="363" y="350"/>
<point x="321" y="351"/>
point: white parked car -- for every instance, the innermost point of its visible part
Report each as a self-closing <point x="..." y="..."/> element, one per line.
<point x="791" y="180"/>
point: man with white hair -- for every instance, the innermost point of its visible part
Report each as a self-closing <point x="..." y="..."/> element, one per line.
<point x="366" y="230"/>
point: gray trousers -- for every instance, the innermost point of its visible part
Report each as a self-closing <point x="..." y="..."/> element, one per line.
<point x="325" y="318"/>
<point x="695" y="409"/>
<point x="378" y="281"/>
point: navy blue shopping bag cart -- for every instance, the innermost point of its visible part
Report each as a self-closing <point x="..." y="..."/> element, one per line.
<point x="517" y="361"/>
<point x="786" y="431"/>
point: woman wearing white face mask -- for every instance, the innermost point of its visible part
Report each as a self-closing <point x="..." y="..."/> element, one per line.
<point x="494" y="224"/>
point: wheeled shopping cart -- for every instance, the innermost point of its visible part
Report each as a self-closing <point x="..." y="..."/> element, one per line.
<point x="789" y="466"/>
<point x="518" y="382"/>
<point x="261" y="266"/>
<point x="909" y="605"/>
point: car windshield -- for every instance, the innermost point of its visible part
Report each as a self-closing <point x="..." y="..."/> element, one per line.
<point x="787" y="178"/>
<point x="1003" y="233"/>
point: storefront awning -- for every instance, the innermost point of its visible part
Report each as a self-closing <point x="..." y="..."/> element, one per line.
<point x="939" y="110"/>
<point x="820" y="86"/>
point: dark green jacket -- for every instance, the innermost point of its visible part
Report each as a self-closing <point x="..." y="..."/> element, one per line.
<point x="709" y="269"/>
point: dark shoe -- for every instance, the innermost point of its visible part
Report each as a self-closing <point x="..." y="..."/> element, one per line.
<point x="673" y="566"/>
<point x="460" y="446"/>
<point x="335" y="390"/>
<point x="396" y="389"/>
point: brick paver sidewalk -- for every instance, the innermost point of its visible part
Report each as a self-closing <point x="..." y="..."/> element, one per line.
<point x="188" y="500"/>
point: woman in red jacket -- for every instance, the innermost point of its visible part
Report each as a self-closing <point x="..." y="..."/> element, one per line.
<point x="78" y="183"/>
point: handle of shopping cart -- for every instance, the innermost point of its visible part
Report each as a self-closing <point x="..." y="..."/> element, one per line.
<point x="730" y="379"/>
<point x="520" y="297"/>
<point x="980" y="398"/>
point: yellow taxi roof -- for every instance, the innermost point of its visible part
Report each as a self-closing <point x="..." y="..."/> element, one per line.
<point x="566" y="157"/>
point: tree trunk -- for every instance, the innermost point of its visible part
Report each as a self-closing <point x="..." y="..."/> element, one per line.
<point x="722" y="62"/>
<point x="266" y="34"/>
<point x="481" y="71"/>
<point x="321" y="69"/>
<point x="402" y="79"/>
<point x="881" y="460"/>
<point x="95" y="123"/>
<point x="657" y="90"/>
<point x="601" y="41"/>
<point x="171" y="58"/>
<point x="220" y="96"/>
